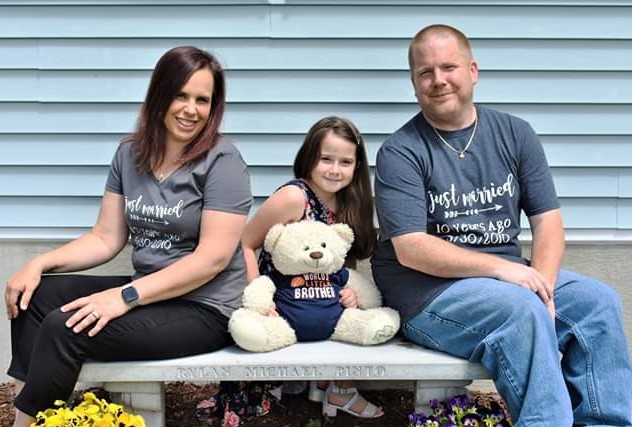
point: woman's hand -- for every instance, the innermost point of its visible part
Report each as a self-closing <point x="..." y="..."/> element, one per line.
<point x="20" y="288"/>
<point x="95" y="310"/>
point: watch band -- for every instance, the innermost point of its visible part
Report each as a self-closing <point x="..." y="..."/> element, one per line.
<point x="130" y="295"/>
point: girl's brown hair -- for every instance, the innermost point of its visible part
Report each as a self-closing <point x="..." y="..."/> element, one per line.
<point x="171" y="73"/>
<point x="355" y="201"/>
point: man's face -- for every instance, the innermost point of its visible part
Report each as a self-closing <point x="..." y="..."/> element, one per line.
<point x="444" y="75"/>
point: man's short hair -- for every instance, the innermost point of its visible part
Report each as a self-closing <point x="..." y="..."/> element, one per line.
<point x="435" y="29"/>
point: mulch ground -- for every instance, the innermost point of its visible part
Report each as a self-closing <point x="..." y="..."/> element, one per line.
<point x="293" y="411"/>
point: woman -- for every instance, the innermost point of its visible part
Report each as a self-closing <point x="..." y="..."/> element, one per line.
<point x="181" y="193"/>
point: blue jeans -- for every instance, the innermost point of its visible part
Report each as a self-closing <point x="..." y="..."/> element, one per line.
<point x="508" y="329"/>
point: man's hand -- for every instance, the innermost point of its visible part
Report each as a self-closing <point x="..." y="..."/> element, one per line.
<point x="550" y="306"/>
<point x="530" y="278"/>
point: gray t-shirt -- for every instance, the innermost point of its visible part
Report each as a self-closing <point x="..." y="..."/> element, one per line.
<point x="475" y="202"/>
<point x="164" y="217"/>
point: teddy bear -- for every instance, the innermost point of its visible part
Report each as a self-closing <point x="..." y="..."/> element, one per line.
<point x="308" y="259"/>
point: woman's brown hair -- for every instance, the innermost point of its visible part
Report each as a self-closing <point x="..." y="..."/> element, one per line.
<point x="171" y="73"/>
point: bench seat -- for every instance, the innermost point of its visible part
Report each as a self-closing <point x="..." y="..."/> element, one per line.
<point x="140" y="385"/>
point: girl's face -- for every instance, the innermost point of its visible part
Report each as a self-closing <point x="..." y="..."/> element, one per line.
<point x="335" y="167"/>
<point x="189" y="111"/>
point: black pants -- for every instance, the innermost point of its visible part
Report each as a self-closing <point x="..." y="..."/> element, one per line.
<point x="48" y="356"/>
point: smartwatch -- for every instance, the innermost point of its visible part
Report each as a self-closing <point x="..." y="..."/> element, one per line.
<point x="130" y="295"/>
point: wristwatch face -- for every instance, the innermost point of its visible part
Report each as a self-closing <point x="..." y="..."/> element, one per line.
<point x="130" y="296"/>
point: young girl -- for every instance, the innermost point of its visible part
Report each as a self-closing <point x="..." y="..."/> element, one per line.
<point x="332" y="185"/>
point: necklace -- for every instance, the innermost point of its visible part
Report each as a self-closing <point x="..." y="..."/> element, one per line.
<point x="461" y="153"/>
<point x="161" y="176"/>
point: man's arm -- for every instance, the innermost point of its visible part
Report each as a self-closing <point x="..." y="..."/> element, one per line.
<point x="437" y="257"/>
<point x="547" y="248"/>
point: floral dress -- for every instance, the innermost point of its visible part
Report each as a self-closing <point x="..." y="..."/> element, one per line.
<point x="314" y="210"/>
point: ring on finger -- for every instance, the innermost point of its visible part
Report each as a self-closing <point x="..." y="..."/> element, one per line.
<point x="95" y="315"/>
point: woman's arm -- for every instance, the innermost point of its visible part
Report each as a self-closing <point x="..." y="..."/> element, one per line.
<point x="220" y="233"/>
<point x="102" y="243"/>
<point x="219" y="236"/>
<point x="284" y="206"/>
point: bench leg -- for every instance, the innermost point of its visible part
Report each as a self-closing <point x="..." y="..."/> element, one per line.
<point x="144" y="399"/>
<point x="425" y="391"/>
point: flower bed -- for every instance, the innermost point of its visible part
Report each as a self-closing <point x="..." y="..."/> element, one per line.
<point x="91" y="412"/>
<point x="461" y="411"/>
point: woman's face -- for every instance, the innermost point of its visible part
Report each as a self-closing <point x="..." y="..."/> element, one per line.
<point x="190" y="109"/>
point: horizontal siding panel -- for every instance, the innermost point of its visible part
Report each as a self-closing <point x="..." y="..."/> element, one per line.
<point x="625" y="184"/>
<point x="560" y="55"/>
<point x="583" y="182"/>
<point x="52" y="181"/>
<point x="590" y="213"/>
<point x="574" y="236"/>
<point x="625" y="214"/>
<point x="324" y="2"/>
<point x="284" y="21"/>
<point x="134" y="21"/>
<point x="48" y="211"/>
<point x="297" y="118"/>
<point x="309" y="54"/>
<point x="588" y="150"/>
<point x="19" y="86"/>
<point x="90" y="181"/>
<point x="587" y="214"/>
<point x="280" y="149"/>
<point x="320" y="87"/>
<point x="51" y="150"/>
<point x="54" y="212"/>
<point x="75" y="212"/>
<point x="475" y="21"/>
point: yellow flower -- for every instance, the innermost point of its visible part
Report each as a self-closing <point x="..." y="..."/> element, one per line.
<point x="91" y="412"/>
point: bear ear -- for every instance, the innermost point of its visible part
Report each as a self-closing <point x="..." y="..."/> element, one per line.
<point x="344" y="231"/>
<point x="274" y="233"/>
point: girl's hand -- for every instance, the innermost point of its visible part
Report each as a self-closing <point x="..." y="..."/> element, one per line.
<point x="273" y="312"/>
<point x="95" y="310"/>
<point x="20" y="288"/>
<point x="348" y="298"/>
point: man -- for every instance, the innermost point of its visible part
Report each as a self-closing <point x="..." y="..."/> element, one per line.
<point x="450" y="186"/>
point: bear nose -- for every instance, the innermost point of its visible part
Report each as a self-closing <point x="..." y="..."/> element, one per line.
<point x="316" y="255"/>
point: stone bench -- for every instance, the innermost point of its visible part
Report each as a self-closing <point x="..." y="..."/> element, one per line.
<point x="140" y="385"/>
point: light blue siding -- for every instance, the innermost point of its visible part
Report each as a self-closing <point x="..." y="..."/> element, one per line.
<point x="272" y="118"/>
<point x="311" y="54"/>
<point x="73" y="75"/>
<point x="325" y="86"/>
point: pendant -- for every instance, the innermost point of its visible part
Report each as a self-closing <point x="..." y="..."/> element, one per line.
<point x="161" y="177"/>
<point x="461" y="155"/>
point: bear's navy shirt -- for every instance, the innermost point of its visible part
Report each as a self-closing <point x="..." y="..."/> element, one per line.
<point x="309" y="302"/>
